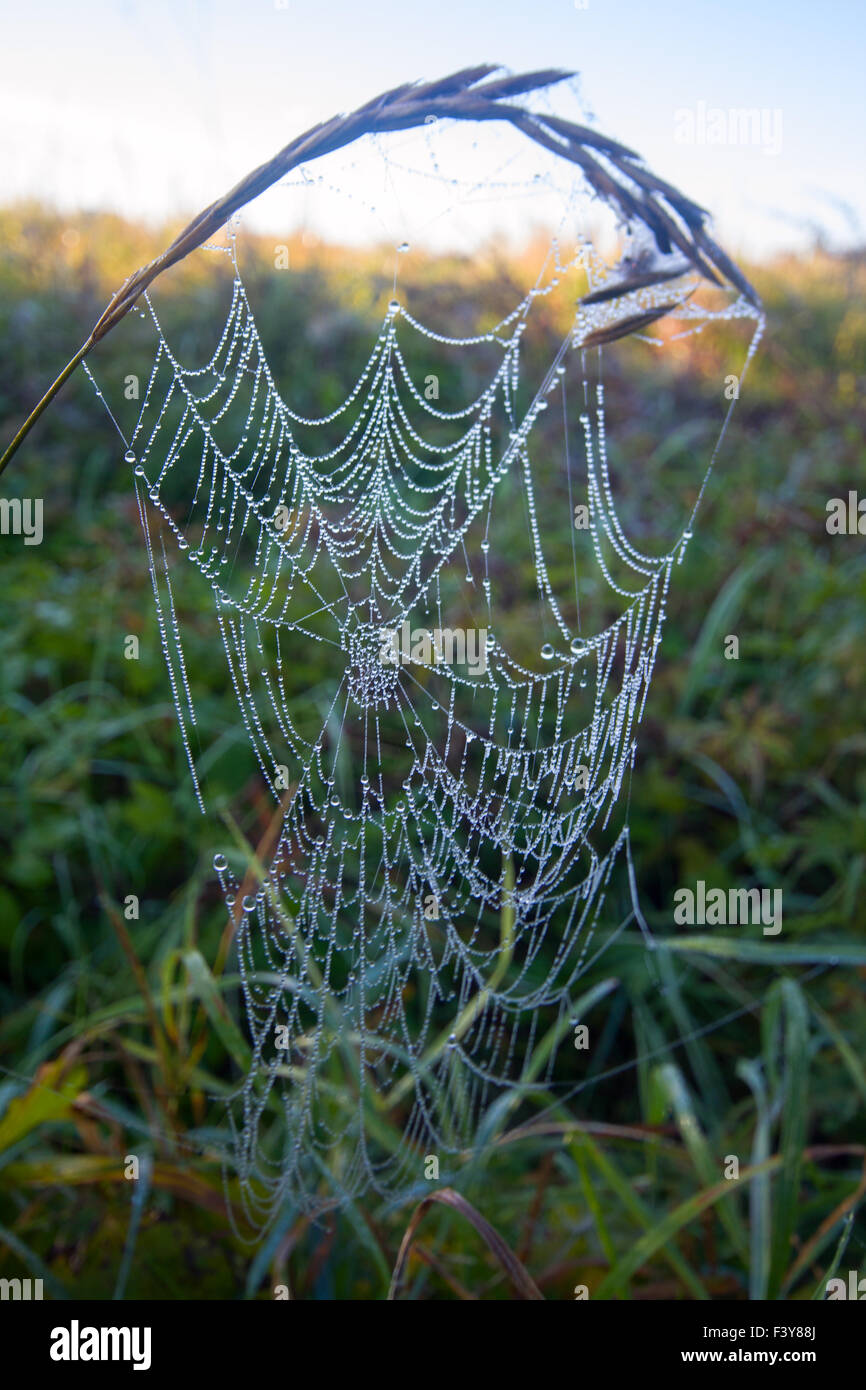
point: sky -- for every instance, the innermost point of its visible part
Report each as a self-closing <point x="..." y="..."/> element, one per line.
<point x="153" y="108"/>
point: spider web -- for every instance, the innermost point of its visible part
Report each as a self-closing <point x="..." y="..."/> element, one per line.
<point x="450" y="813"/>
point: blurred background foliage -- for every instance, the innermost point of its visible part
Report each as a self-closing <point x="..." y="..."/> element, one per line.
<point x="118" y="1038"/>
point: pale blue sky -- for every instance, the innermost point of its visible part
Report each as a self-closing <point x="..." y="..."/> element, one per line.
<point x="155" y="107"/>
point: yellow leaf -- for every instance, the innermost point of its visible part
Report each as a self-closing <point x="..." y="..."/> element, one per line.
<point x="50" y="1097"/>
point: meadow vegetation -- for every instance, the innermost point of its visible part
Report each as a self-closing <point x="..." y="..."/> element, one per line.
<point x="119" y="1037"/>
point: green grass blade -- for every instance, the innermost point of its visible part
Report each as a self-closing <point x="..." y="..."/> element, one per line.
<point x="707" y="1166"/>
<point x="767" y="953"/>
<point x="760" y="1212"/>
<point x="666" y="1230"/>
<point x="206" y="991"/>
<point x="793" y="1136"/>
<point x="821" y="1286"/>
<point x="643" y="1217"/>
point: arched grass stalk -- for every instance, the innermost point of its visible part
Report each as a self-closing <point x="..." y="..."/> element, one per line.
<point x="473" y="94"/>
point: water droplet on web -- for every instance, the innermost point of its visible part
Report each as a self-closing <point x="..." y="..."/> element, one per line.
<point x="578" y="646"/>
<point x="248" y="903"/>
<point x="393" y="306"/>
<point x="547" y="651"/>
<point x="403" y="247"/>
<point x="584" y="678"/>
<point x="139" y="470"/>
<point x="129" y="456"/>
<point x="335" y="801"/>
<point x="220" y="862"/>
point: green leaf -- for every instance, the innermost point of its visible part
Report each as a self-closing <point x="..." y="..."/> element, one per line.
<point x="664" y="1232"/>
<point x="50" y="1097"/>
<point x="722" y="612"/>
<point x="673" y="1083"/>
<point x="637" y="1209"/>
<point x="32" y="1262"/>
<point x="795" y="1083"/>
<point x="206" y="991"/>
<point x="821" y="1286"/>
<point x="767" y="953"/>
<point x="760" y="1211"/>
<point x="846" y="1051"/>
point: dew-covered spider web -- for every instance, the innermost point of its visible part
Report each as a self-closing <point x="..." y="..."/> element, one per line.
<point x="439" y="634"/>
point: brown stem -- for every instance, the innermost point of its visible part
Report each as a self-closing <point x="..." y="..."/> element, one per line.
<point x="45" y="402"/>
<point x="523" y="1283"/>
